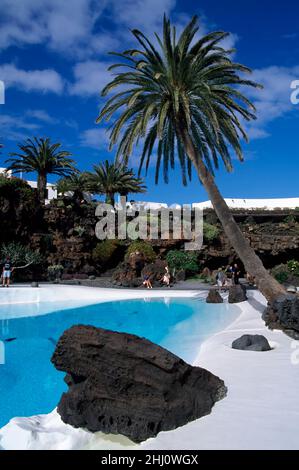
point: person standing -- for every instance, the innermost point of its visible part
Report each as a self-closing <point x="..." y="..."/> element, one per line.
<point x="6" y="272"/>
<point x="221" y="279"/>
<point x="237" y="274"/>
<point x="229" y="275"/>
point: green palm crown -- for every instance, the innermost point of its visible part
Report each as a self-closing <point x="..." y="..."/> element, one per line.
<point x="180" y="86"/>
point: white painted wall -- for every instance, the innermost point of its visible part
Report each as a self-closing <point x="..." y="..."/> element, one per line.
<point x="52" y="192"/>
<point x="270" y="204"/>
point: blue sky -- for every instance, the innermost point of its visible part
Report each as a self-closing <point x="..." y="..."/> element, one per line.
<point x="53" y="60"/>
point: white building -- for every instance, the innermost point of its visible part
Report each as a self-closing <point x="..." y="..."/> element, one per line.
<point x="267" y="204"/>
<point x="51" y="189"/>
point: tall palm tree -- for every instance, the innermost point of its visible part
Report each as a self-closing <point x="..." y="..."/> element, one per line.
<point x="76" y="183"/>
<point x="41" y="156"/>
<point x="110" y="178"/>
<point x="185" y="95"/>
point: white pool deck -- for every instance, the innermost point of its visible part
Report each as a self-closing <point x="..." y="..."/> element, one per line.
<point x="261" y="410"/>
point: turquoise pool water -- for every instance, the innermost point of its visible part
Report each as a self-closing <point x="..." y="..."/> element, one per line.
<point x="29" y="383"/>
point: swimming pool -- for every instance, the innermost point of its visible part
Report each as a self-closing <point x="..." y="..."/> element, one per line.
<point x="29" y="383"/>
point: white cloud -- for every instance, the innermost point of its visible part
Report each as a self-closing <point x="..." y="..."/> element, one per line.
<point x="273" y="101"/>
<point x="62" y="24"/>
<point x="144" y="14"/>
<point x="90" y="78"/>
<point x="16" y="128"/>
<point x="69" y="26"/>
<point x="230" y="41"/>
<point x="97" y="138"/>
<point x="41" y="115"/>
<point x="46" y="80"/>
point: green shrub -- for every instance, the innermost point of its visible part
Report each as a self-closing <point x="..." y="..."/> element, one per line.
<point x="290" y="219"/>
<point x="143" y="247"/>
<point x="293" y="267"/>
<point x="17" y="190"/>
<point x="9" y="185"/>
<point x="105" y="251"/>
<point x="183" y="260"/>
<point x="210" y="232"/>
<point x="281" y="273"/>
<point x="55" y="272"/>
<point x="79" y="230"/>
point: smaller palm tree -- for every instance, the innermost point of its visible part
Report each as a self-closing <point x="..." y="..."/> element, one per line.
<point x="76" y="183"/>
<point x="110" y="178"/>
<point x="40" y="156"/>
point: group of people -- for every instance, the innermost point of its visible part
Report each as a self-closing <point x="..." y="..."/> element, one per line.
<point x="7" y="269"/>
<point x="224" y="278"/>
<point x="165" y="279"/>
<point x="229" y="276"/>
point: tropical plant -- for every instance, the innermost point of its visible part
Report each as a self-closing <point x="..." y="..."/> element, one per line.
<point x="281" y="273"/>
<point x="76" y="184"/>
<point x="293" y="267"/>
<point x="110" y="178"/>
<point x="185" y="95"/>
<point x="142" y="247"/>
<point x="210" y="232"/>
<point x="105" y="251"/>
<point x="183" y="261"/>
<point x="41" y="156"/>
<point x="21" y="256"/>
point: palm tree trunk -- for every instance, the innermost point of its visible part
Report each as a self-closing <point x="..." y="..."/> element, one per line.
<point x="125" y="195"/>
<point x="41" y="187"/>
<point x="269" y="287"/>
<point x="110" y="199"/>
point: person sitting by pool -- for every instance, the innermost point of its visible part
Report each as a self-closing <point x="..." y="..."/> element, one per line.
<point x="6" y="272"/>
<point x="221" y="279"/>
<point x="147" y="282"/>
<point x="166" y="277"/>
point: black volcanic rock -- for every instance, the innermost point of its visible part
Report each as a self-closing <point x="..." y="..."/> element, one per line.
<point x="237" y="294"/>
<point x="214" y="297"/>
<point x="252" y="343"/>
<point x="283" y="313"/>
<point x="122" y="384"/>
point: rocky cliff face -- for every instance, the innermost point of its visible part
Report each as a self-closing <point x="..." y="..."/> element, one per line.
<point x="65" y="233"/>
<point x="275" y="242"/>
<point x="70" y="238"/>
